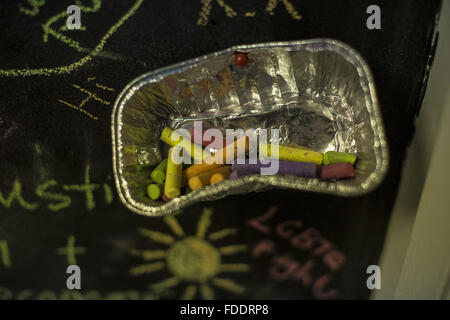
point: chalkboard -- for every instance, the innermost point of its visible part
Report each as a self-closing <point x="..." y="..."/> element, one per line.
<point x="58" y="204"/>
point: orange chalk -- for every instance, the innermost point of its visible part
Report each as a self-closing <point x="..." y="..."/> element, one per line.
<point x="218" y="159"/>
<point x="197" y="169"/>
<point x="204" y="178"/>
<point x="195" y="183"/>
<point x="233" y="149"/>
<point x="216" y="178"/>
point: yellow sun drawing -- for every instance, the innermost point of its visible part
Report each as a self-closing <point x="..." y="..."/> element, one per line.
<point x="192" y="259"/>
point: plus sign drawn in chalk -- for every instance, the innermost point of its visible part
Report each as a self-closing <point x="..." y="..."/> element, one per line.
<point x="70" y="251"/>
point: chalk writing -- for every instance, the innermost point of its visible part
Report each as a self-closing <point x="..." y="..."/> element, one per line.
<point x="35" y="7"/>
<point x="272" y="4"/>
<point x="7" y="129"/>
<point x="200" y="273"/>
<point x="206" y="10"/>
<point x="257" y="223"/>
<point x="88" y="97"/>
<point x="70" y="251"/>
<point x="28" y="294"/>
<point x="16" y="194"/>
<point x="88" y="188"/>
<point x="206" y="6"/>
<point x="222" y="234"/>
<point x="109" y="196"/>
<point x="4" y="254"/>
<point x="63" y="200"/>
<point x="54" y="200"/>
<point x="283" y="267"/>
<point x="26" y="72"/>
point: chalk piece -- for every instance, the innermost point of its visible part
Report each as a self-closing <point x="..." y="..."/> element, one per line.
<point x="300" y="169"/>
<point x="204" y="178"/>
<point x="159" y="173"/>
<point x="332" y="157"/>
<point x="336" y="171"/>
<point x="195" y="183"/>
<point x="198" y="134"/>
<point x="220" y="157"/>
<point x="233" y="175"/>
<point x="293" y="154"/>
<point x="173" y="177"/>
<point x="172" y="138"/>
<point x="197" y="169"/>
<point x="239" y="173"/>
<point x="218" y="177"/>
<point x="154" y="191"/>
<point x="230" y="152"/>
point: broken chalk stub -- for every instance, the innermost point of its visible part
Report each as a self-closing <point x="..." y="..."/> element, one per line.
<point x="336" y="171"/>
<point x="154" y="191"/>
<point x="159" y="173"/>
<point x="332" y="157"/>
<point x="204" y="179"/>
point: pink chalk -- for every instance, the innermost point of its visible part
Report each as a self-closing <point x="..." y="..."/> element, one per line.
<point x="196" y="132"/>
<point x="336" y="171"/>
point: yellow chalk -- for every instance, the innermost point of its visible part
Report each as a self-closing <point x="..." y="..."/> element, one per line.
<point x="172" y="138"/>
<point x="293" y="154"/>
<point x="232" y="150"/>
<point x="173" y="177"/>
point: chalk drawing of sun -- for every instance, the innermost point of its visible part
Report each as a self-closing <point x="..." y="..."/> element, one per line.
<point x="191" y="260"/>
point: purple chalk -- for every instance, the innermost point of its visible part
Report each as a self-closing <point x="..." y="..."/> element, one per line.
<point x="237" y="173"/>
<point x="233" y="175"/>
<point x="300" y="169"/>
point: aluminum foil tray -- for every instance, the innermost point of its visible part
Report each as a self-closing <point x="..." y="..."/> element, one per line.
<point x="319" y="93"/>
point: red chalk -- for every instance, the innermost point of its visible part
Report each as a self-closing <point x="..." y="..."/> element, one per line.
<point x="336" y="171"/>
<point x="198" y="134"/>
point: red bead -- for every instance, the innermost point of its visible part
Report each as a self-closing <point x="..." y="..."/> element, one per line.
<point x="240" y="59"/>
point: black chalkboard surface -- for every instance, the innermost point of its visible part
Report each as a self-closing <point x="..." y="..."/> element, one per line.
<point x="58" y="203"/>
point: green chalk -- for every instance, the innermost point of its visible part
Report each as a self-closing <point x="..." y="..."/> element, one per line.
<point x="154" y="191"/>
<point x="159" y="173"/>
<point x="332" y="157"/>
